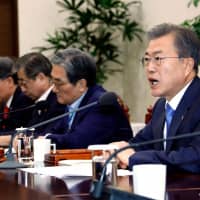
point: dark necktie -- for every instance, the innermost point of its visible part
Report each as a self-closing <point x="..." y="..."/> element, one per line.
<point x="169" y="112"/>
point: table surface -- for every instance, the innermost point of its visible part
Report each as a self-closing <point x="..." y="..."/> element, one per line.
<point x="17" y="184"/>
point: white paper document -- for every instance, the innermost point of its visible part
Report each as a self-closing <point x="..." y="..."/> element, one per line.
<point x="69" y="168"/>
<point x="61" y="171"/>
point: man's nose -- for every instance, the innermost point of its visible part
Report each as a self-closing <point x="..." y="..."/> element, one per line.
<point x="151" y="66"/>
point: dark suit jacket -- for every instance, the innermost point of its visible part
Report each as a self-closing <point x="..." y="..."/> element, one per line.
<point x="94" y="125"/>
<point x="182" y="153"/>
<point x="49" y="109"/>
<point x="16" y="119"/>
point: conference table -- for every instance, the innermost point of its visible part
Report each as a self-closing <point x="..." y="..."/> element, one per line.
<point x="20" y="185"/>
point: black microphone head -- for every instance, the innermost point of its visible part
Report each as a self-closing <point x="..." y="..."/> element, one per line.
<point x="108" y="99"/>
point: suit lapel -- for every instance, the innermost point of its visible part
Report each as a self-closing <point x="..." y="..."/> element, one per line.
<point x="178" y="117"/>
<point x="81" y="113"/>
<point x="91" y="96"/>
<point x="183" y="107"/>
<point x="158" y="130"/>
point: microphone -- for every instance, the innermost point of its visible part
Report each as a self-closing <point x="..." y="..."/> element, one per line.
<point x="107" y="99"/>
<point x="97" y="187"/>
<point x="38" y="105"/>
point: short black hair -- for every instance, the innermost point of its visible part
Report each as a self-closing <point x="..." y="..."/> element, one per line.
<point x="33" y="64"/>
<point x="7" y="68"/>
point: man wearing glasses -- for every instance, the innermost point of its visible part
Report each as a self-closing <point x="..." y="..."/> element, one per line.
<point x="34" y="78"/>
<point x="13" y="103"/>
<point x="171" y="63"/>
<point x="74" y="78"/>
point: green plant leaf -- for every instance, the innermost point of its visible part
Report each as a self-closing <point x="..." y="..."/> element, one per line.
<point x="95" y="26"/>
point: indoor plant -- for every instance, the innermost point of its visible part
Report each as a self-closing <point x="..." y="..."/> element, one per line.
<point x="195" y="22"/>
<point x="95" y="26"/>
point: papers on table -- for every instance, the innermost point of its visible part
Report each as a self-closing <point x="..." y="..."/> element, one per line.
<point x="75" y="162"/>
<point x="70" y="168"/>
<point x="61" y="171"/>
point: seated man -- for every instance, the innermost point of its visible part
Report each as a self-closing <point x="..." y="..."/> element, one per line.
<point x="74" y="78"/>
<point x="171" y="63"/>
<point x="15" y="107"/>
<point x="34" y="78"/>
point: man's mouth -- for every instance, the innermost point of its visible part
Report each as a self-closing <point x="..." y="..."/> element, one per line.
<point x="153" y="81"/>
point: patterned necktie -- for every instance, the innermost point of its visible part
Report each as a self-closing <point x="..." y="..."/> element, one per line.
<point x="169" y="112"/>
<point x="70" y="117"/>
<point x="5" y="112"/>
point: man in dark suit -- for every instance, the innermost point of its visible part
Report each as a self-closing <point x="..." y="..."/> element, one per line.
<point x="171" y="63"/>
<point x="34" y="78"/>
<point x="13" y="103"/>
<point x="74" y="78"/>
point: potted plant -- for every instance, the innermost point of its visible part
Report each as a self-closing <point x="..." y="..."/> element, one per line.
<point x="95" y="26"/>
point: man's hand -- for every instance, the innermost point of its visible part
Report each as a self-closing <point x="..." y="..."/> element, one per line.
<point x="122" y="157"/>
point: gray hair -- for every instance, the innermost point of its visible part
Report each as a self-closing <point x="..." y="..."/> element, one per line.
<point x="77" y="64"/>
<point x="186" y="41"/>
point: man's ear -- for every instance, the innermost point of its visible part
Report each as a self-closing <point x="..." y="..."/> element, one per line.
<point x="41" y="76"/>
<point x="82" y="84"/>
<point x="189" y="65"/>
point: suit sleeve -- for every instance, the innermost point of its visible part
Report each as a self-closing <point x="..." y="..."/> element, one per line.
<point x="184" y="153"/>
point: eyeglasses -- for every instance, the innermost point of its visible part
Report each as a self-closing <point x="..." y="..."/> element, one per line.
<point x="156" y="60"/>
<point x="22" y="82"/>
<point x="58" y="83"/>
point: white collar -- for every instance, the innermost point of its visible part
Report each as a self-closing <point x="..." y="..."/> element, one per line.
<point x="8" y="103"/>
<point x="44" y="96"/>
<point x="176" y="99"/>
<point x="76" y="103"/>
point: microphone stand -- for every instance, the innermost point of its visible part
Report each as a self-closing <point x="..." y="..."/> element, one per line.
<point x="106" y="99"/>
<point x="11" y="162"/>
<point x="97" y="187"/>
<point x="63" y="115"/>
<point x="19" y="109"/>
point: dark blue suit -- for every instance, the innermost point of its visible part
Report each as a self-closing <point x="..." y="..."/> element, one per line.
<point x="51" y="108"/>
<point x="179" y="154"/>
<point x="94" y="125"/>
<point x="16" y="118"/>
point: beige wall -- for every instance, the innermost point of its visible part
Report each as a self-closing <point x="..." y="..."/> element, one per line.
<point x="135" y="90"/>
<point x="39" y="17"/>
<point x="36" y="19"/>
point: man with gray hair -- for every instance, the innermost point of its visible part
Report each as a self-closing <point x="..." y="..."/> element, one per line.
<point x="74" y="78"/>
<point x="171" y="63"/>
